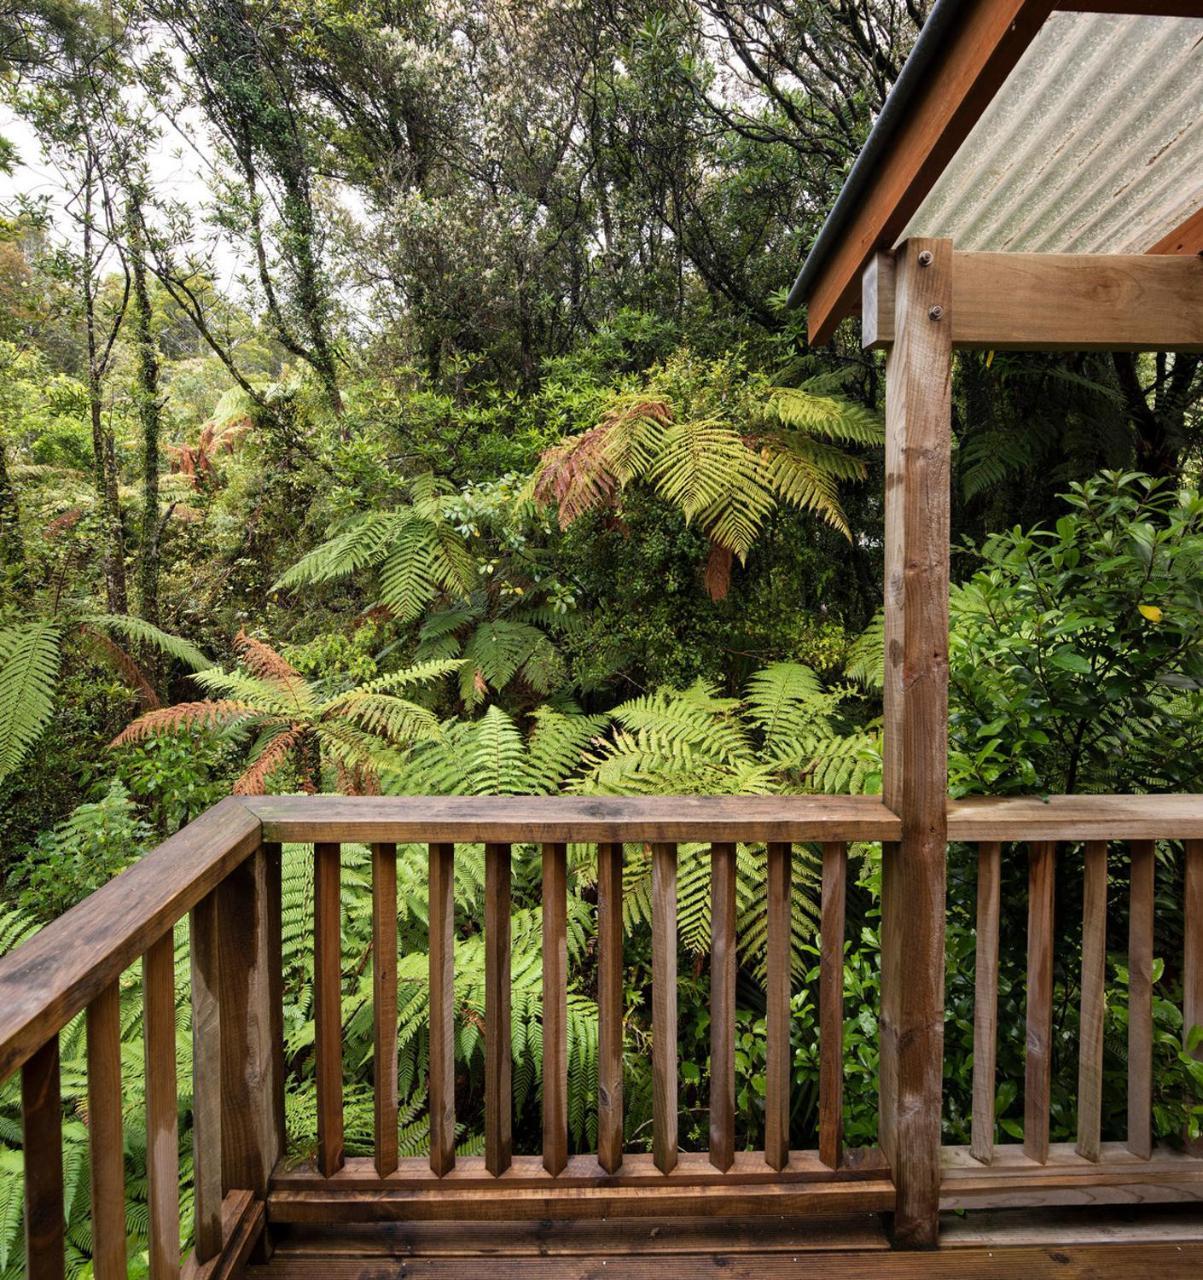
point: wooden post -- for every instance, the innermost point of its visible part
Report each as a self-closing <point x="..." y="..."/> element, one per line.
<point x="915" y="734"/>
<point x="252" y="1135"/>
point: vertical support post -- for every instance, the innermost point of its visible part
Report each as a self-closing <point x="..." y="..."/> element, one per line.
<point x="252" y="1135"/>
<point x="609" y="1006"/>
<point x="915" y="736"/>
<point x="205" y="945"/>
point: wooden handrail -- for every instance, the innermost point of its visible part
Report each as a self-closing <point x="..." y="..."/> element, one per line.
<point x="49" y="979"/>
<point x="583" y="819"/>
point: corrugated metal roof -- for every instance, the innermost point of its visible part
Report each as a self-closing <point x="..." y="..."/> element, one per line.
<point x="1093" y="144"/>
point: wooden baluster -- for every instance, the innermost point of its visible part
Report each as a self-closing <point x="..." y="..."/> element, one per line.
<point x="498" y="1094"/>
<point x="384" y="1003"/>
<point x="442" y="1008"/>
<point x="722" y="1006"/>
<point x="205" y="946"/>
<point x="1038" y="1069"/>
<point x="1192" y="957"/>
<point x="831" y="1006"/>
<point x="555" y="1007"/>
<point x="777" y="1067"/>
<point x="162" y="1119"/>
<point x="1140" y="1001"/>
<point x="1094" y="977"/>
<point x="609" y="1006"/>
<point x="42" y="1129"/>
<point x="985" y="1005"/>
<point x="327" y="1002"/>
<point x="105" y="1147"/>
<point x="664" y="1006"/>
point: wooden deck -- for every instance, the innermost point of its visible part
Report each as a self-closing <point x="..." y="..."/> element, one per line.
<point x="1120" y="1243"/>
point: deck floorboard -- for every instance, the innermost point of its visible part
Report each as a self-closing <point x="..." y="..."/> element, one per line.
<point x="1031" y="1246"/>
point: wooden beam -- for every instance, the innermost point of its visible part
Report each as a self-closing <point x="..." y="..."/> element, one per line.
<point x="1057" y="301"/>
<point x="915" y="731"/>
<point x="980" y="54"/>
<point x="1188" y="238"/>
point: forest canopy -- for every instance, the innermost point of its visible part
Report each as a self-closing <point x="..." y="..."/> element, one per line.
<point x="402" y="398"/>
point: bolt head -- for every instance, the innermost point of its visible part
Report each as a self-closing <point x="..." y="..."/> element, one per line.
<point x="925" y="258"/>
<point x="937" y="312"/>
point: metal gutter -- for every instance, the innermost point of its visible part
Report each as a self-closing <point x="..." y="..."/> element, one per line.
<point x="922" y="56"/>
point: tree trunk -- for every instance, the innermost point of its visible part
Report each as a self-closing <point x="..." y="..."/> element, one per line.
<point x="12" y="549"/>
<point x="104" y="448"/>
<point x="150" y="418"/>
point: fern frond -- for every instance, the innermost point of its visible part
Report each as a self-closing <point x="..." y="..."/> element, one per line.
<point x="784" y="700"/>
<point x="187" y="715"/>
<point x="807" y="408"/>
<point x="139" y="631"/>
<point x="29" y="664"/>
<point x="262" y="661"/>
<point x="253" y="780"/>
<point x="866" y="655"/>
<point x="365" y="542"/>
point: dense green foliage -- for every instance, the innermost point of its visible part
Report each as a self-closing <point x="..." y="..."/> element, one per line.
<point x="443" y="431"/>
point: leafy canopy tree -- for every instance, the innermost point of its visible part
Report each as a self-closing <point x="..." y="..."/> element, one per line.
<point x="302" y="723"/>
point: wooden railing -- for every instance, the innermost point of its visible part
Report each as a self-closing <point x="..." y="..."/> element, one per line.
<point x="223" y="872"/>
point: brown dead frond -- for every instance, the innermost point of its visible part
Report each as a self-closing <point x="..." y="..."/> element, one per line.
<point x="184" y="715"/>
<point x="585" y="472"/>
<point x="125" y="666"/>
<point x="262" y="660"/>
<point x="253" y="780"/>
<point x="67" y="520"/>
<point x="357" y="779"/>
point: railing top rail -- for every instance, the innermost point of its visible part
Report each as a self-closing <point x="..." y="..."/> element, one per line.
<point x="1078" y="817"/>
<point x="45" y="982"/>
<point x="590" y="819"/>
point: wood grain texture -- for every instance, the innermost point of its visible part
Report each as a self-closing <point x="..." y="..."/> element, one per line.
<point x="985" y="1002"/>
<point x="327" y="1003"/>
<point x="589" y="819"/>
<point x="205" y="949"/>
<point x="664" y="1006"/>
<point x="639" y="1171"/>
<point x="42" y="1142"/>
<point x="555" y="1007"/>
<point x="162" y="1123"/>
<point x="62" y="968"/>
<point x="1093" y="1007"/>
<point x="384" y="1003"/>
<point x="609" y="1007"/>
<point x="777" y="1010"/>
<point x="499" y="1115"/>
<point x="442" y="1007"/>
<point x="252" y="1134"/>
<point x="976" y="58"/>
<point x="723" y="963"/>
<point x="1058" y="302"/>
<point x="1064" y="818"/>
<point x="831" y="1005"/>
<point x="565" y="1239"/>
<point x="711" y="1257"/>
<point x="105" y="1147"/>
<point x="1118" y="1177"/>
<point x="915" y="731"/>
<point x="1187" y="237"/>
<point x="243" y="1223"/>
<point x="1038" y="1061"/>
<point x="1192" y="957"/>
<point x="1140" y="1001"/>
